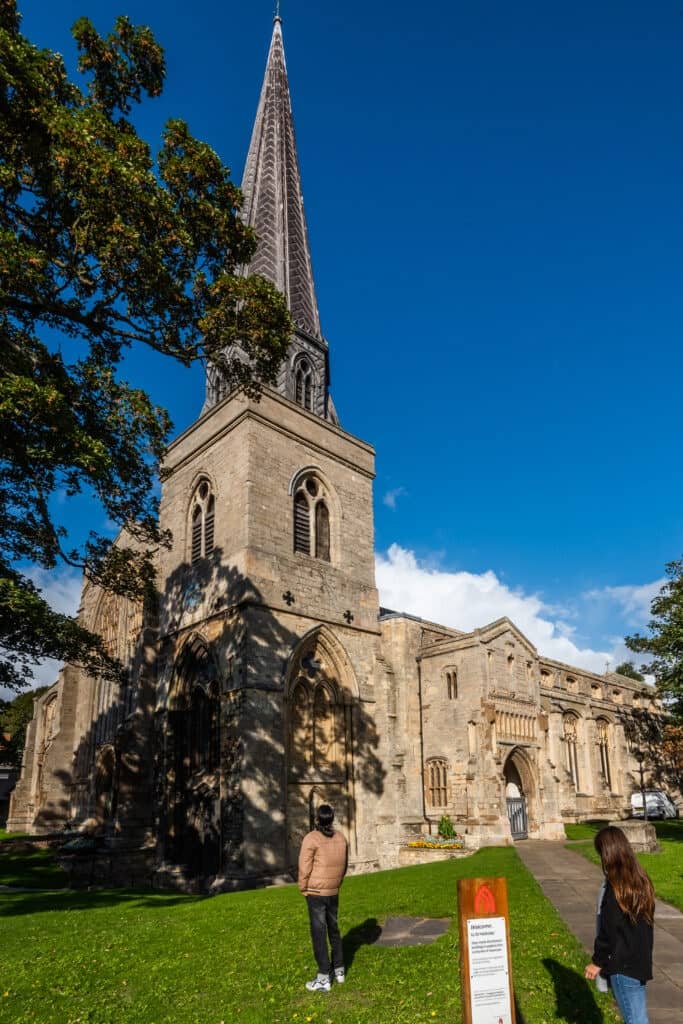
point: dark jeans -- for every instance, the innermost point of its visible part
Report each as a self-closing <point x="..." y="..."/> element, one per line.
<point x="322" y="913"/>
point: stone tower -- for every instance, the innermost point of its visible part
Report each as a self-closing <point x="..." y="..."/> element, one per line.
<point x="269" y="616"/>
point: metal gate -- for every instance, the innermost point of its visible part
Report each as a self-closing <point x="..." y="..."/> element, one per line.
<point x="517" y="817"/>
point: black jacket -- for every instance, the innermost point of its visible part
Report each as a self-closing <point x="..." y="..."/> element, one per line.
<point x="622" y="947"/>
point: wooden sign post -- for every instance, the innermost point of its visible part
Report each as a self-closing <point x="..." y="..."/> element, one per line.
<point x="485" y="960"/>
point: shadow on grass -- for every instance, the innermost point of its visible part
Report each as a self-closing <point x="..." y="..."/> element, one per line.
<point x="364" y="934"/>
<point x="519" y="1016"/>
<point x="574" y="997"/>
<point x="14" y="904"/>
<point x="672" y="830"/>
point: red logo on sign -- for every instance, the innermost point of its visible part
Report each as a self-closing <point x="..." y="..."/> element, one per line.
<point x="484" y="901"/>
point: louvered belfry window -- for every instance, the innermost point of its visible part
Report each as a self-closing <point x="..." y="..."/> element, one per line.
<point x="312" y="519"/>
<point x="302" y="524"/>
<point x="202" y="522"/>
<point x="303" y="385"/>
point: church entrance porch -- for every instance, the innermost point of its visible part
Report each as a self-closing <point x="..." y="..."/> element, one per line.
<point x="517" y="794"/>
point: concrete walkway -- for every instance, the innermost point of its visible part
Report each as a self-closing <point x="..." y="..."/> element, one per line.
<point x="571" y="884"/>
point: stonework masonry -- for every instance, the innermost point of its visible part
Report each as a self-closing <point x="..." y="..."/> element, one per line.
<point x="264" y="678"/>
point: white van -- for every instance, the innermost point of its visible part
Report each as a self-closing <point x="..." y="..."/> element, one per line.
<point x="658" y="803"/>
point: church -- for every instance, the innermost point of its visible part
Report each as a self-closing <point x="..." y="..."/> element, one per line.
<point x="266" y="679"/>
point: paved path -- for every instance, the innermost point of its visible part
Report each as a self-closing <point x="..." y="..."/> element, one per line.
<point x="571" y="884"/>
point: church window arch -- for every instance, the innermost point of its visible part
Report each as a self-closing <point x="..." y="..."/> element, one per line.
<point x="451" y="678"/>
<point x="315" y="731"/>
<point x="603" y="737"/>
<point x="202" y="522"/>
<point x="312" y="529"/>
<point x="570" y="728"/>
<point x="437" y="782"/>
<point x="303" y="384"/>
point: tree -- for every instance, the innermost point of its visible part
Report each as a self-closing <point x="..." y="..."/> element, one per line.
<point x="627" y="668"/>
<point x="664" y="644"/>
<point x="15" y="716"/>
<point x="102" y="247"/>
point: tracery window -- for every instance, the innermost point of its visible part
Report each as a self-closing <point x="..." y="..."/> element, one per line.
<point x="303" y="384"/>
<point x="437" y="782"/>
<point x="570" y="739"/>
<point x="202" y="520"/>
<point x="451" y="684"/>
<point x="312" y="519"/>
<point x="603" y="748"/>
<point x="315" y="729"/>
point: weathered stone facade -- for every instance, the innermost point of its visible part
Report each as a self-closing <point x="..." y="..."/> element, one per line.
<point x="268" y="679"/>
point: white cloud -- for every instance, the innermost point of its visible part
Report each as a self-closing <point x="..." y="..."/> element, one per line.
<point x="465" y="600"/>
<point x="391" y="497"/>
<point x="633" y="602"/>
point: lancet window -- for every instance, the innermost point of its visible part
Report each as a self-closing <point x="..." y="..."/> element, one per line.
<point x="315" y="729"/>
<point x="303" y="384"/>
<point x="451" y="684"/>
<point x="202" y="521"/>
<point x="571" y="752"/>
<point x="437" y="782"/>
<point x="603" y="749"/>
<point x="312" y="519"/>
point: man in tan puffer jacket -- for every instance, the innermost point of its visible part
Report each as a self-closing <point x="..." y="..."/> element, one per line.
<point x="323" y="861"/>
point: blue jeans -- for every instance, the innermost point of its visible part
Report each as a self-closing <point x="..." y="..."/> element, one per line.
<point x="322" y="913"/>
<point x="630" y="996"/>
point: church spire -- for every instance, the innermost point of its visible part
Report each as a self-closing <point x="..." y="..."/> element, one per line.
<point x="273" y="203"/>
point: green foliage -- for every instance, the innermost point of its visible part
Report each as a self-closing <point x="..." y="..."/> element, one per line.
<point x="446" y="830"/>
<point x="123" y="958"/>
<point x="664" y="644"/>
<point x="627" y="668"/>
<point x="103" y="247"/>
<point x="15" y="716"/>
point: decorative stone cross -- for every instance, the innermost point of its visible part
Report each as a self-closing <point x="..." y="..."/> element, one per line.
<point x="288" y="598"/>
<point x="348" y="615"/>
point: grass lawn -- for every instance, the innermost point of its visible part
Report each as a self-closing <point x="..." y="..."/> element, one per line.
<point x="584" y="829"/>
<point x="141" y="958"/>
<point x="665" y="868"/>
<point x="29" y="867"/>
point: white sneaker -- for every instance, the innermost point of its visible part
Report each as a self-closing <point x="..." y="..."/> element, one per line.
<point x="321" y="983"/>
<point x="339" y="975"/>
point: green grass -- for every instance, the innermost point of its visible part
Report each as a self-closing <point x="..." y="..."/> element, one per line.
<point x="665" y="868"/>
<point x="584" y="829"/>
<point x="134" y="958"/>
<point x="30" y="867"/>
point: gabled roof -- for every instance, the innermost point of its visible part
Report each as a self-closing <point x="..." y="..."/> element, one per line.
<point x="273" y="203"/>
<point x="504" y="625"/>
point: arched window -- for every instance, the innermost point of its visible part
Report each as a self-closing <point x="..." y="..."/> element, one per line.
<point x="202" y="519"/>
<point x="570" y="739"/>
<point x="303" y="384"/>
<point x="437" y="782"/>
<point x="312" y="519"/>
<point x="603" y="747"/>
<point x="451" y="683"/>
<point x="316" y="743"/>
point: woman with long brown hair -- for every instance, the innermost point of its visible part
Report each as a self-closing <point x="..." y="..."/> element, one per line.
<point x="623" y="943"/>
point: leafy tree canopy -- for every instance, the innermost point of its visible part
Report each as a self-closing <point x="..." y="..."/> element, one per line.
<point x="664" y="642"/>
<point x="627" y="668"/>
<point x="15" y="716"/>
<point x="103" y="247"/>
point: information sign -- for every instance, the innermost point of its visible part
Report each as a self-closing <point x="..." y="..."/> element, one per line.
<point x="485" y="952"/>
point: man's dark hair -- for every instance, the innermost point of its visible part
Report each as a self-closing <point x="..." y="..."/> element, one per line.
<point x="324" y="818"/>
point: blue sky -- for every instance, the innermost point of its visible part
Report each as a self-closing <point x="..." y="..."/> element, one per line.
<point x="496" y="219"/>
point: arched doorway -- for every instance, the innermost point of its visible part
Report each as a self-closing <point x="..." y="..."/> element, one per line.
<point x="518" y="788"/>
<point x="320" y="692"/>
<point x="192" y="759"/>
